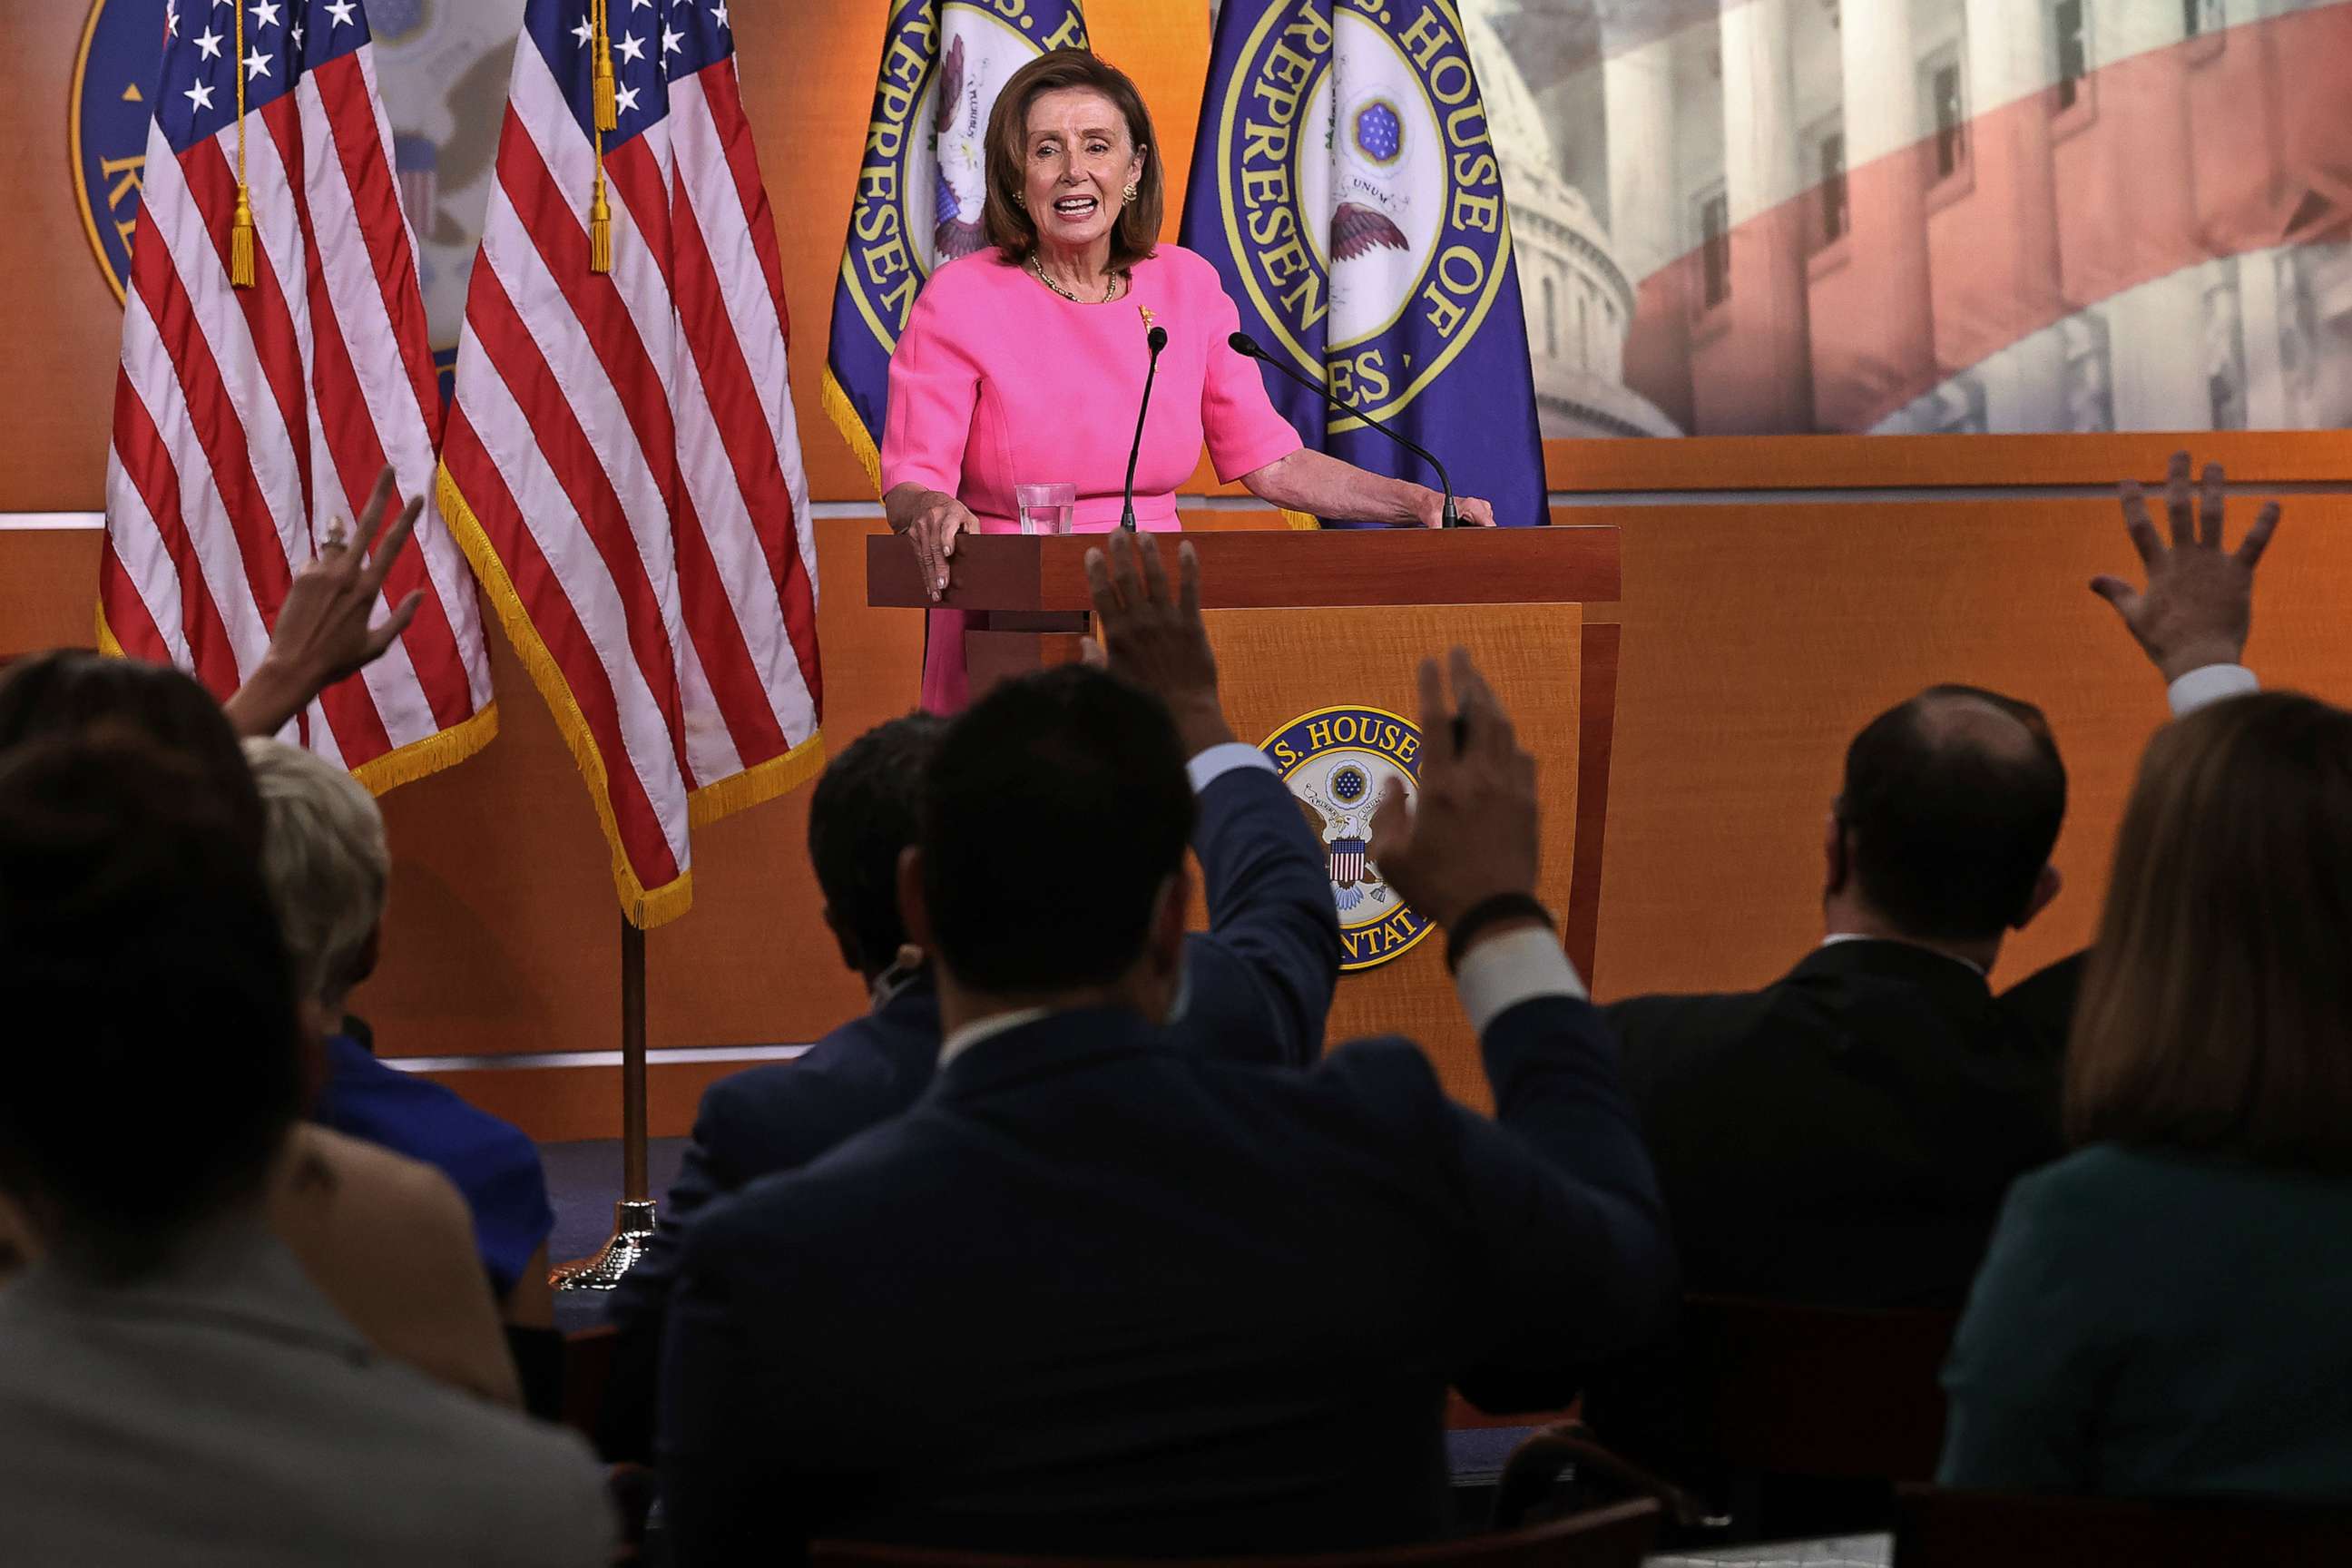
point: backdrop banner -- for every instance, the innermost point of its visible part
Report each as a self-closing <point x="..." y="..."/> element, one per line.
<point x="1346" y="186"/>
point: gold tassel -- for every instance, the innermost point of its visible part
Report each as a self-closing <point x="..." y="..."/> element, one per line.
<point x="600" y="229"/>
<point x="608" y="114"/>
<point x="600" y="209"/>
<point x="240" y="242"/>
<point x="240" y="228"/>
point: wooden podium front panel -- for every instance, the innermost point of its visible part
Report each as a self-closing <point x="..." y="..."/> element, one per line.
<point x="1277" y="666"/>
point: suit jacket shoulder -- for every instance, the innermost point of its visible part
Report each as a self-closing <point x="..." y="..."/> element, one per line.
<point x="245" y="1421"/>
<point x="2042" y="1003"/>
<point x="1846" y="1133"/>
<point x="780" y="1116"/>
<point x="389" y="1240"/>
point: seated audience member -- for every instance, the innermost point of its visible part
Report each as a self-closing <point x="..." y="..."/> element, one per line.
<point x="2162" y="1313"/>
<point x="373" y="1229"/>
<point x="172" y="1387"/>
<point x="1846" y="1135"/>
<point x="1257" y="987"/>
<point x="327" y="865"/>
<point x="1094" y="1294"/>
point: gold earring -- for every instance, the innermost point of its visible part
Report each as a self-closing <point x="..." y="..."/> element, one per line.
<point x="1129" y="193"/>
<point x="1021" y="201"/>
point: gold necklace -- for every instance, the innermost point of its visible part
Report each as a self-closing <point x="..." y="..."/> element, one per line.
<point x="1037" y="270"/>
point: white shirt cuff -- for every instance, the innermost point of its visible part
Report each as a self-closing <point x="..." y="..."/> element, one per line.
<point x="1499" y="972"/>
<point x="1207" y="767"/>
<point x="2204" y="687"/>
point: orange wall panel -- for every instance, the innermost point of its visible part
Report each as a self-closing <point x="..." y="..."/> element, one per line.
<point x="1757" y="640"/>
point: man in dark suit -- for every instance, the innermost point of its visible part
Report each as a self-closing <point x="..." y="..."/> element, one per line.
<point x="1846" y="1134"/>
<point x="1257" y="987"/>
<point x="1095" y="1294"/>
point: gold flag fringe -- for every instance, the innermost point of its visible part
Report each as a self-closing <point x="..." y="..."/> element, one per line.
<point x="643" y="907"/>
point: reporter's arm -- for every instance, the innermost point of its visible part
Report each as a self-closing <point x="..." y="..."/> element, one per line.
<point x="1575" y="1259"/>
<point x="1568" y="1256"/>
<point x="1270" y="905"/>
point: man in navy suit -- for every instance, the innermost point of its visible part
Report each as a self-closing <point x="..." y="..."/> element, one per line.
<point x="1257" y="987"/>
<point x="1097" y="1294"/>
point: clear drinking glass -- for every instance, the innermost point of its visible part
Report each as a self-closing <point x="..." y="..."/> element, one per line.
<point x="1046" y="508"/>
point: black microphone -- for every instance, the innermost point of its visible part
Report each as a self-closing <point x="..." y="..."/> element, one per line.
<point x="1155" y="340"/>
<point x="1242" y="344"/>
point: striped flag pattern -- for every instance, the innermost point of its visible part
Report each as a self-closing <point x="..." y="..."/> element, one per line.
<point x="247" y="420"/>
<point x="622" y="465"/>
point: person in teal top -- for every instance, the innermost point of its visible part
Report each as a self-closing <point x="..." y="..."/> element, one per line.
<point x="2167" y="1311"/>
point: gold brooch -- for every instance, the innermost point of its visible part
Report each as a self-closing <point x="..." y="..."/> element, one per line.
<point x="1146" y="312"/>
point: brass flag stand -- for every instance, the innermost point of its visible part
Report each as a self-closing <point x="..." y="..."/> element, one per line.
<point x="633" y="1216"/>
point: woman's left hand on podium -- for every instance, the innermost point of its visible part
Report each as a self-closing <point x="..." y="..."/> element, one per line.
<point x="1474" y="513"/>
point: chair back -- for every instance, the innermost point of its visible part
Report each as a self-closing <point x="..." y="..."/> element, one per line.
<point x="1617" y="1537"/>
<point x="587" y="1367"/>
<point x="1831" y="1392"/>
<point x="1935" y="1528"/>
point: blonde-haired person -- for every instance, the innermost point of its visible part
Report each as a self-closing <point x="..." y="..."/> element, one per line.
<point x="409" y="1208"/>
<point x="2162" y="1313"/>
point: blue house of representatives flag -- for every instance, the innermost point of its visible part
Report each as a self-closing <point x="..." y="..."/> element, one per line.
<point x="1345" y="185"/>
<point x="923" y="181"/>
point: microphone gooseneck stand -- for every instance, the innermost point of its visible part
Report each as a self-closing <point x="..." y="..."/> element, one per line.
<point x="1242" y="344"/>
<point x="1155" y="340"/>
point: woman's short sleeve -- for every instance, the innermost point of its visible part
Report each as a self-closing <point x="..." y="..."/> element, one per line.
<point x="934" y="386"/>
<point x="1243" y="431"/>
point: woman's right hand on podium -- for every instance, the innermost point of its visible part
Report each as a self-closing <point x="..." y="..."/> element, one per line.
<point x="931" y="520"/>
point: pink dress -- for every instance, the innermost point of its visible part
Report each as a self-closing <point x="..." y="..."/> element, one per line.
<point x="998" y="381"/>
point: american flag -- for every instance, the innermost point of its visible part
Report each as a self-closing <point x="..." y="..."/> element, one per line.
<point x="622" y="463"/>
<point x="247" y="420"/>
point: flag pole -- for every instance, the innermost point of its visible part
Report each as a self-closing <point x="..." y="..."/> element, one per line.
<point x="633" y="1216"/>
<point x="633" y="1064"/>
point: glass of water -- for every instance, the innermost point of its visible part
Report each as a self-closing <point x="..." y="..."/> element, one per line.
<point x="1046" y="508"/>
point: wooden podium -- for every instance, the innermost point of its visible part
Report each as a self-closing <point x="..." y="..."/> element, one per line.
<point x="1304" y="622"/>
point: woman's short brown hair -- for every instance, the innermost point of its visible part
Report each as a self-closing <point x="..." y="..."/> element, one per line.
<point x="2217" y="1012"/>
<point x="1010" y="227"/>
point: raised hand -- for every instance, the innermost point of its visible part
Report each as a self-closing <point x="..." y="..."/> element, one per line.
<point x="1154" y="637"/>
<point x="2198" y="606"/>
<point x="1476" y="830"/>
<point x="326" y="629"/>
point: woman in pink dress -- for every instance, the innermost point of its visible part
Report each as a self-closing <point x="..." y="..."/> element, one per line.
<point x="1022" y="364"/>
